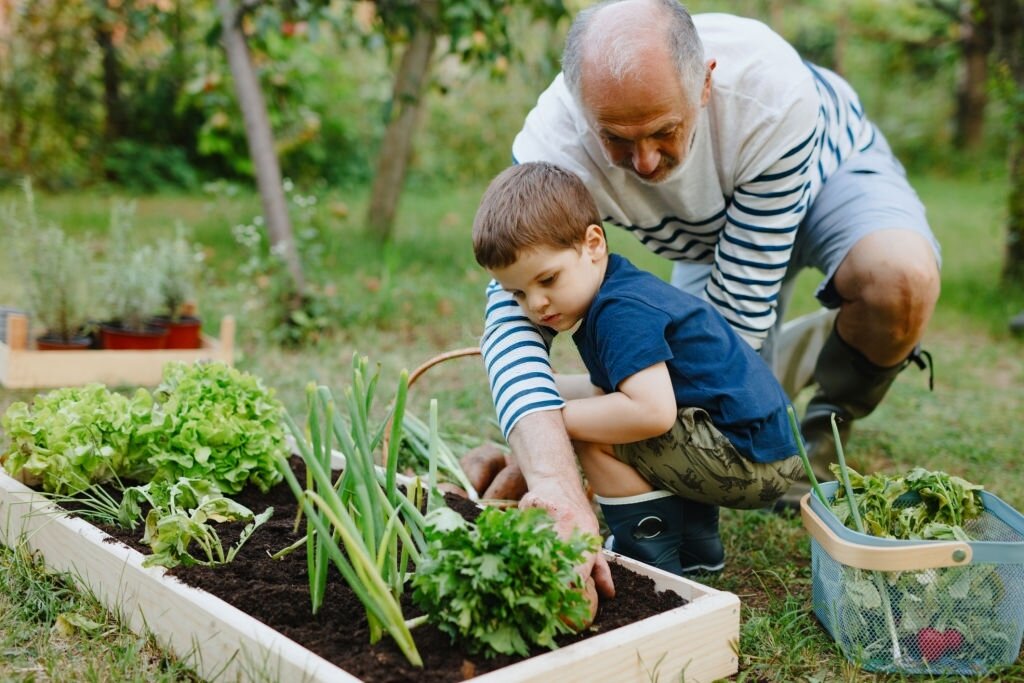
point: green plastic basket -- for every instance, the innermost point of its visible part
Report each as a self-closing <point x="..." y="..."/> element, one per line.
<point x="920" y="607"/>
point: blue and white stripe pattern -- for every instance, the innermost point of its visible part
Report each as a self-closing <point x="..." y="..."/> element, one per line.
<point x="677" y="239"/>
<point x="757" y="239"/>
<point x="516" y="354"/>
<point x="747" y="235"/>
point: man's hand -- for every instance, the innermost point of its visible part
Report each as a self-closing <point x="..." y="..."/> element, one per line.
<point x="594" y="571"/>
<point x="542" y="450"/>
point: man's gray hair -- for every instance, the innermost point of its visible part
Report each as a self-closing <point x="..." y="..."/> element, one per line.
<point x="619" y="46"/>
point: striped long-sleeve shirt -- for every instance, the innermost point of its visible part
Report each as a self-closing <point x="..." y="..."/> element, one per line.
<point x="773" y="131"/>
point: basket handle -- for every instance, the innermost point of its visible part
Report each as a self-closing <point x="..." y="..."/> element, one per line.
<point x="924" y="555"/>
<point x="415" y="375"/>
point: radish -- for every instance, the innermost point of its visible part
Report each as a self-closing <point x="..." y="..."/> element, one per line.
<point x="954" y="640"/>
<point x="934" y="643"/>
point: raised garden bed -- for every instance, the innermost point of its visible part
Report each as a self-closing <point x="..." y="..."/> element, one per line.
<point x="22" y="367"/>
<point x="222" y="641"/>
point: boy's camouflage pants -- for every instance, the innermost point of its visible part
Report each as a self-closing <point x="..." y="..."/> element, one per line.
<point x="696" y="461"/>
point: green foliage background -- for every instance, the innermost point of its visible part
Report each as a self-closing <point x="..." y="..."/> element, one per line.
<point x="328" y="82"/>
<point x="422" y="294"/>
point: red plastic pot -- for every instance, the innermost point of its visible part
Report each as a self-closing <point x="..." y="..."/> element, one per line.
<point x="48" y="342"/>
<point x="183" y="333"/>
<point x="150" y="337"/>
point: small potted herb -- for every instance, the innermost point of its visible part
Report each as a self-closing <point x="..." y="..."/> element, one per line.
<point x="177" y="270"/>
<point x="132" y="289"/>
<point x="54" y="272"/>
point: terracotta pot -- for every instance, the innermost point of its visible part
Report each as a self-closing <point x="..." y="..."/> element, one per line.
<point x="150" y="337"/>
<point x="52" y="342"/>
<point x="183" y="333"/>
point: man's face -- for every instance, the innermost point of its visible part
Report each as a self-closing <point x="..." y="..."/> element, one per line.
<point x="555" y="286"/>
<point x="646" y="124"/>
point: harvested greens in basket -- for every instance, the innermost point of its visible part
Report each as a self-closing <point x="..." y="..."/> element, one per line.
<point x="919" y="505"/>
<point x="949" y="619"/>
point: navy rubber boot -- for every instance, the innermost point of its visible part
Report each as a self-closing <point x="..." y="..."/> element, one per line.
<point x="700" y="546"/>
<point x="648" y="530"/>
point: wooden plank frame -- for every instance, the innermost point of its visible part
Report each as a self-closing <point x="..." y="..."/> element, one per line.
<point x="697" y="642"/>
<point x="22" y="367"/>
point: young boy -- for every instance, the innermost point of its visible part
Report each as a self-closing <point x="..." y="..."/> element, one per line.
<point x="678" y="415"/>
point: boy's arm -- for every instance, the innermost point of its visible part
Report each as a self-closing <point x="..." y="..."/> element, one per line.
<point x="643" y="407"/>
<point x="575" y="386"/>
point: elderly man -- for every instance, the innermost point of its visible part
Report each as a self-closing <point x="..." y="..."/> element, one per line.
<point x="714" y="144"/>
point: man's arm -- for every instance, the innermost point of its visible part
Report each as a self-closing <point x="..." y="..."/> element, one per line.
<point x="528" y="406"/>
<point x="517" y="361"/>
<point x="761" y="222"/>
<point x="643" y="407"/>
<point x="543" y="452"/>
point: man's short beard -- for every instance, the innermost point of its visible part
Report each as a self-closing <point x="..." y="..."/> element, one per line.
<point x="672" y="174"/>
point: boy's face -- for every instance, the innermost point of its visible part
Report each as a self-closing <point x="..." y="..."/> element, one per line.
<point x="555" y="286"/>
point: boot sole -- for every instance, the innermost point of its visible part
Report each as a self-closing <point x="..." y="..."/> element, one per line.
<point x="692" y="569"/>
<point x="704" y="569"/>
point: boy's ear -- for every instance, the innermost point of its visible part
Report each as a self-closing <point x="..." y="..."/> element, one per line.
<point x="594" y="241"/>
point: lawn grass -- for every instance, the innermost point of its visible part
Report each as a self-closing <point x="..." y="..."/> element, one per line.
<point x="425" y="297"/>
<point x="52" y="631"/>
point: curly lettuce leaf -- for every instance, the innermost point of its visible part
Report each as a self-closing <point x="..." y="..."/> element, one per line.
<point x="211" y="421"/>
<point x="920" y="505"/>
<point x="71" y="438"/>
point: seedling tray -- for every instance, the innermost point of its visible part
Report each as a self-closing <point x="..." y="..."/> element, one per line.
<point x="698" y="641"/>
<point x="22" y="367"/>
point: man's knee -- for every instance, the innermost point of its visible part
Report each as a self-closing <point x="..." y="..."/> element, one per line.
<point x="905" y="296"/>
<point x="893" y="276"/>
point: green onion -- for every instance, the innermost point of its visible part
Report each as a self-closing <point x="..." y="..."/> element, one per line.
<point x="419" y="439"/>
<point x="883" y="591"/>
<point x="380" y="529"/>
<point x="803" y="456"/>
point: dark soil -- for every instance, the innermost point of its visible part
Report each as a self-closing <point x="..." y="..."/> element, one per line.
<point x="276" y="592"/>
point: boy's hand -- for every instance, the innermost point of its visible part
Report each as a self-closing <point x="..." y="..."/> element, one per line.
<point x="494" y="475"/>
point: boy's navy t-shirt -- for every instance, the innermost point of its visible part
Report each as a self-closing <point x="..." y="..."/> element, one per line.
<point x="637" y="320"/>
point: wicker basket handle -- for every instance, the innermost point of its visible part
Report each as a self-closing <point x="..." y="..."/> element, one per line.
<point x="415" y="375"/>
<point x="440" y="358"/>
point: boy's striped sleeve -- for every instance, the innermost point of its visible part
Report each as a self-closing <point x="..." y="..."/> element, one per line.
<point x="516" y="355"/>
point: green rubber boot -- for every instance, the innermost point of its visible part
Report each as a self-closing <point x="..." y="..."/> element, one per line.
<point x="851" y="387"/>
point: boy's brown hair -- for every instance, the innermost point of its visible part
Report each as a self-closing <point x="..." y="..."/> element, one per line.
<point x="531" y="205"/>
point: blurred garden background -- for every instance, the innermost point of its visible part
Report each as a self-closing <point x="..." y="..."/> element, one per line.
<point x="330" y="215"/>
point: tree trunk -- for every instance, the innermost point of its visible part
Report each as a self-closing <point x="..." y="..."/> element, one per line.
<point x="777" y="16"/>
<point x="12" y="154"/>
<point x="1013" y="267"/>
<point x="261" y="143"/>
<point x="1008" y="20"/>
<point x="407" y="100"/>
<point x="972" y="78"/>
<point x="115" y="122"/>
